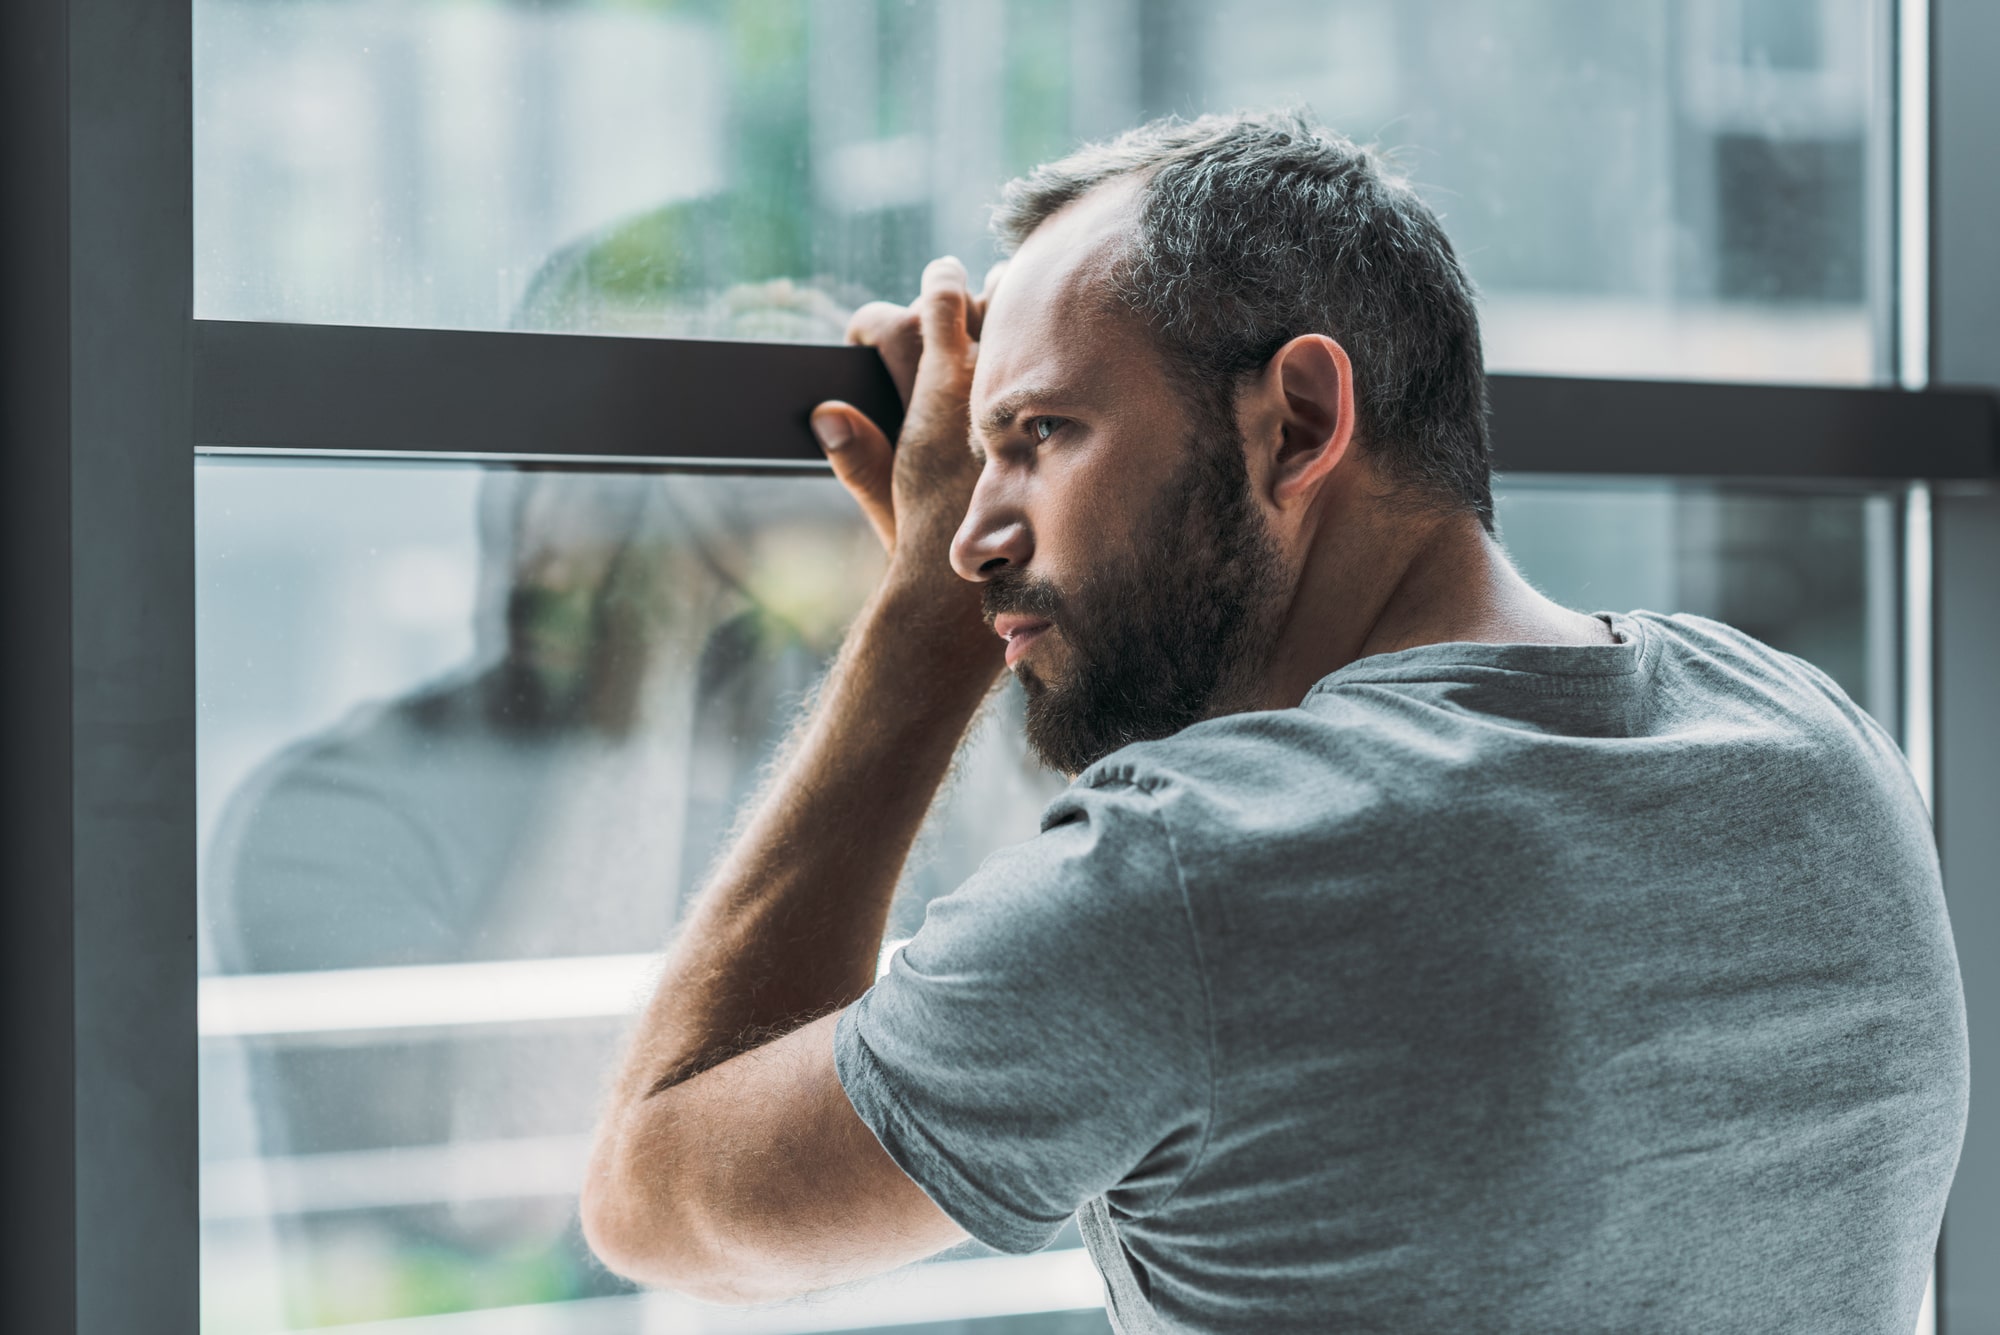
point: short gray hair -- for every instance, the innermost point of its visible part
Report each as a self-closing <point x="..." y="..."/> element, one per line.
<point x="1255" y="228"/>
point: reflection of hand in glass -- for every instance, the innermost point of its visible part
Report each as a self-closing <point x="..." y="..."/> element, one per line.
<point x="667" y="273"/>
<point x="778" y="310"/>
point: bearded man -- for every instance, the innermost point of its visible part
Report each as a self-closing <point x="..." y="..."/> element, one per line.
<point x="1407" y="953"/>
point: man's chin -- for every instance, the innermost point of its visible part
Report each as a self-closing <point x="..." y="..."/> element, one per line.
<point x="1058" y="732"/>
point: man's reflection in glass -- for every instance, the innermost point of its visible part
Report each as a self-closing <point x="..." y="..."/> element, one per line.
<point x="412" y="832"/>
<point x="556" y="796"/>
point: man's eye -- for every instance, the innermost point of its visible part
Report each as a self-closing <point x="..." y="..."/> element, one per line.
<point x="1043" y="427"/>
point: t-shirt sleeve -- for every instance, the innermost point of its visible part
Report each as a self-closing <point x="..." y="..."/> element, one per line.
<point x="1044" y="1038"/>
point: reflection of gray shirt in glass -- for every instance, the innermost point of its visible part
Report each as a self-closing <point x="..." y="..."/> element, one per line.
<point x="1494" y="988"/>
<point x="452" y="825"/>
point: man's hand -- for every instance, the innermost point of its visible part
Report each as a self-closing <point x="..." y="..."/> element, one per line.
<point x="915" y="494"/>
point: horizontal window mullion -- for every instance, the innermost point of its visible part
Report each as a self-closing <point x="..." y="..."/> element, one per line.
<point x="573" y="397"/>
<point x="373" y="391"/>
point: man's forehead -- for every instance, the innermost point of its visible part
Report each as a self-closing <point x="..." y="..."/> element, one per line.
<point x="1071" y="254"/>
<point x="1051" y="297"/>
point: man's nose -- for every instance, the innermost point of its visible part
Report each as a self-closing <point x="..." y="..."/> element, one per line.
<point x="994" y="537"/>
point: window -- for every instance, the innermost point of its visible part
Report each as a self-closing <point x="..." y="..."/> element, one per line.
<point x="1653" y="188"/>
<point x="469" y="731"/>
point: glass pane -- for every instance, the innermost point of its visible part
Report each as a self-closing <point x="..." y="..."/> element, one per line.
<point x="467" y="739"/>
<point x="1655" y="187"/>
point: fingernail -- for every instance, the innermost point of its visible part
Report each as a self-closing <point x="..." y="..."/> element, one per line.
<point x="832" y="430"/>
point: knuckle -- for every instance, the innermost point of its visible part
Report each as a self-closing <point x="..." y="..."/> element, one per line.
<point x="875" y="321"/>
<point x="858" y="474"/>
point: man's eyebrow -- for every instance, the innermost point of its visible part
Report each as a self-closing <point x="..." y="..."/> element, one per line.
<point x="1002" y="414"/>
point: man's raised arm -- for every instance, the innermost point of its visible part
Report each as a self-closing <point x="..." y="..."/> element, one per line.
<point x="728" y="1162"/>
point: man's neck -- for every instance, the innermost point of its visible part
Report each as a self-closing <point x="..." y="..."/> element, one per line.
<point x="1391" y="580"/>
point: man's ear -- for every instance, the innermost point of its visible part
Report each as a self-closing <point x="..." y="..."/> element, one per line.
<point x="1310" y="389"/>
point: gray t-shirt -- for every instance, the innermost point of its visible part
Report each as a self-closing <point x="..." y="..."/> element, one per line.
<point x="1495" y="987"/>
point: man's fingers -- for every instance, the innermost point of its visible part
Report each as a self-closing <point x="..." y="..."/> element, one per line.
<point x="893" y="331"/>
<point x="945" y="316"/>
<point x="875" y="322"/>
<point x="976" y="317"/>
<point x="863" y="461"/>
<point x="944" y="305"/>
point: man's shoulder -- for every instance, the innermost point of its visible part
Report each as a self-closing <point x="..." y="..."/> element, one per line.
<point x="1248" y="772"/>
<point x="1751" y="664"/>
<point x="1713" y="670"/>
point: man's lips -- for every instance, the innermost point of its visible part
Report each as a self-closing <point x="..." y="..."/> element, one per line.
<point x="1019" y="632"/>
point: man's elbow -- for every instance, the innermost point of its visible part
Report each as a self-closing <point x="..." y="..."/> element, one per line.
<point x="654" y="1240"/>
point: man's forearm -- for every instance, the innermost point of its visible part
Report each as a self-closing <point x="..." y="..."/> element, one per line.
<point x="790" y="926"/>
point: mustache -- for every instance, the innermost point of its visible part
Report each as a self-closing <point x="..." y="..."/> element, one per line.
<point x="1018" y="592"/>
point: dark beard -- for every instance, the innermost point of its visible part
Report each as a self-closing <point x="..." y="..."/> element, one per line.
<point x="1162" y="641"/>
